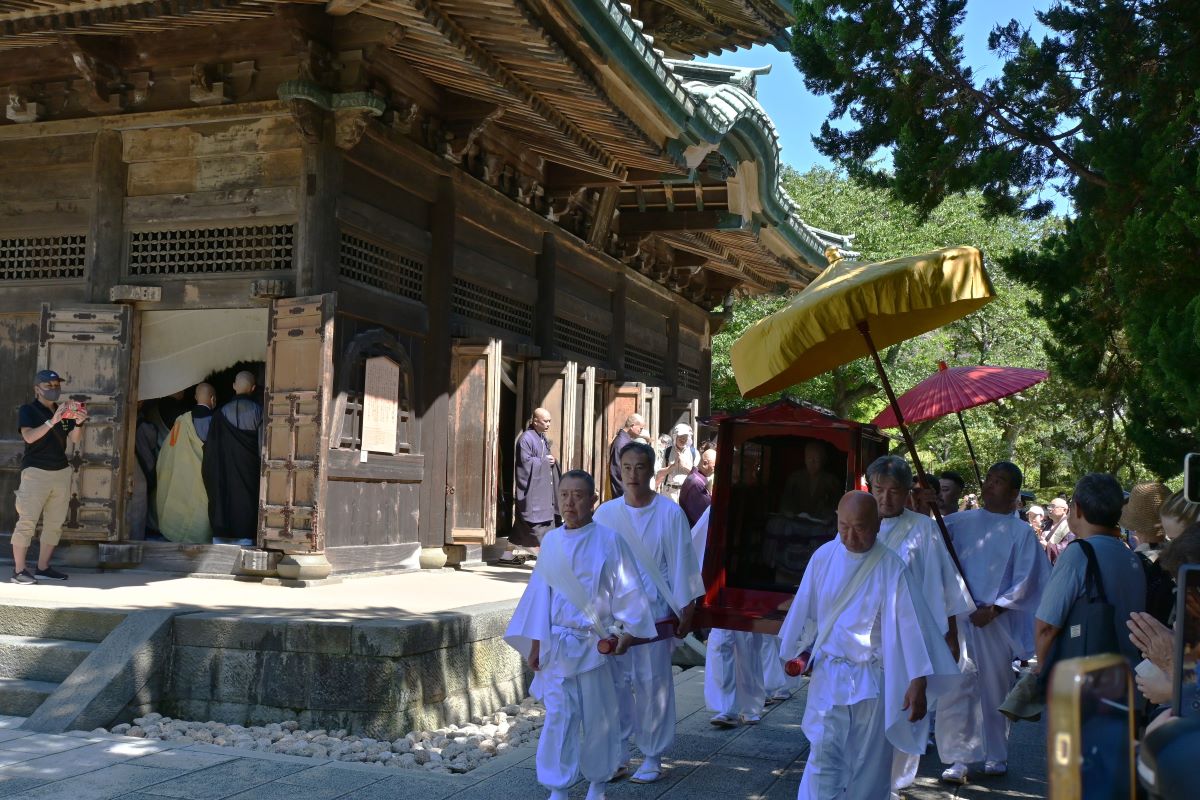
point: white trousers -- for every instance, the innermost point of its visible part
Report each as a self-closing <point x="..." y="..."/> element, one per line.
<point x="646" y="694"/>
<point x="904" y="769"/>
<point x="970" y="728"/>
<point x="733" y="673"/>
<point x="849" y="757"/>
<point x="777" y="681"/>
<point x="581" y="734"/>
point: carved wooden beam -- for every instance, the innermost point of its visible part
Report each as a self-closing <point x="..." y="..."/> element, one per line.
<point x="340" y="8"/>
<point x="633" y="224"/>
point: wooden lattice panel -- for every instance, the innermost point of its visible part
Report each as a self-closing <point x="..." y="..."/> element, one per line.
<point x="43" y="258"/>
<point x="577" y="338"/>
<point x="206" y="251"/>
<point x="689" y="378"/>
<point x="485" y="305"/>
<point x="643" y="362"/>
<point x="381" y="267"/>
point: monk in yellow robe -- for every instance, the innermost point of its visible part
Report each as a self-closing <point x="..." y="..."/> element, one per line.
<point x="181" y="500"/>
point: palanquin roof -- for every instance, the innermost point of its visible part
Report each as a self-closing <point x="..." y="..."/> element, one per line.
<point x="584" y="84"/>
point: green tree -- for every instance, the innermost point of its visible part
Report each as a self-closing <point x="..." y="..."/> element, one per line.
<point x="1054" y="431"/>
<point x="1105" y="108"/>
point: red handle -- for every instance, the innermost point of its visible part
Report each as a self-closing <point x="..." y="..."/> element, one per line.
<point x="607" y="646"/>
<point x="798" y="665"/>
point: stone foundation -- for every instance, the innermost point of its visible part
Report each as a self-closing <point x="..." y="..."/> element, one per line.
<point x="373" y="677"/>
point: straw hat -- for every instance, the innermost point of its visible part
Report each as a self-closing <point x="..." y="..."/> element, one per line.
<point x="1141" y="512"/>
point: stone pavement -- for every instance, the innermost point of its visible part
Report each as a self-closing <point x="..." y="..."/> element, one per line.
<point x="762" y="762"/>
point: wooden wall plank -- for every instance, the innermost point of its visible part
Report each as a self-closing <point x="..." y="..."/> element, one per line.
<point x="256" y="204"/>
<point x="175" y="176"/>
<point x="492" y="273"/>
<point x="211" y="140"/>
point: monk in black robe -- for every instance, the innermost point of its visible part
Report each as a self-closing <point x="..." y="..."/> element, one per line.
<point x="232" y="466"/>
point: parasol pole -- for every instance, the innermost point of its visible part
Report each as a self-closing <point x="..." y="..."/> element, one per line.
<point x="970" y="448"/>
<point x="865" y="329"/>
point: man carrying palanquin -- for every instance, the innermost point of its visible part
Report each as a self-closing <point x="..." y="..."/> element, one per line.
<point x="916" y="539"/>
<point x="1006" y="570"/>
<point x="659" y="536"/>
<point x="585" y="586"/>
<point x="877" y="658"/>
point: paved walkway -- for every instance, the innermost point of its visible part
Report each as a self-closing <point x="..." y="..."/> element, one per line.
<point x="762" y="762"/>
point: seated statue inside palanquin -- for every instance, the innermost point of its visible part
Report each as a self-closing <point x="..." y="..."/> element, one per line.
<point x="806" y="516"/>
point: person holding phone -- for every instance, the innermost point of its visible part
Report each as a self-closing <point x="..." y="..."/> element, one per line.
<point x="47" y="426"/>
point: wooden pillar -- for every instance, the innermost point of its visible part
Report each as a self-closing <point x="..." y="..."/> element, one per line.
<point x="547" y="282"/>
<point x="706" y="381"/>
<point x="317" y="236"/>
<point x="107" y="227"/>
<point x="439" y="285"/>
<point x="616" y="341"/>
<point x="671" y="362"/>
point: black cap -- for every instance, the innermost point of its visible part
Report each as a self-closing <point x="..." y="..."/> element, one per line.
<point x="46" y="375"/>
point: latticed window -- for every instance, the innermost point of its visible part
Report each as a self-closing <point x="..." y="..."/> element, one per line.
<point x="485" y="305"/>
<point x="643" y="362"/>
<point x="689" y="377"/>
<point x="381" y="267"/>
<point x="43" y="258"/>
<point x="585" y="341"/>
<point x="206" y="251"/>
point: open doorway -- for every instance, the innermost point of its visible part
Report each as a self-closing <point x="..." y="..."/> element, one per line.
<point x="510" y="426"/>
<point x="181" y="350"/>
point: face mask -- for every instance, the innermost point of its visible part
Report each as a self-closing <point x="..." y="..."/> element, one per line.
<point x="51" y="394"/>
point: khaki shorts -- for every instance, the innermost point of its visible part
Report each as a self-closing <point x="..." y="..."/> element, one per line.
<point x="44" y="493"/>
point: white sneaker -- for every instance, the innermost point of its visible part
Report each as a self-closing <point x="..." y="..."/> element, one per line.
<point x="724" y="720"/>
<point x="955" y="773"/>
<point x="995" y="768"/>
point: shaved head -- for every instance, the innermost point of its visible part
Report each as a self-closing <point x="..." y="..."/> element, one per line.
<point x="708" y="462"/>
<point x="540" y="420"/>
<point x="206" y="395"/>
<point x="244" y="382"/>
<point x="858" y="521"/>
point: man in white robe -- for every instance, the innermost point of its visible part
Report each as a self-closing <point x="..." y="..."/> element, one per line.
<point x="658" y="535"/>
<point x="916" y="539"/>
<point x="877" y="658"/>
<point x="585" y="586"/>
<point x="1006" y="570"/>
<point x="734" y="685"/>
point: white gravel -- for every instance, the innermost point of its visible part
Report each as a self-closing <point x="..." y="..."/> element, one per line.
<point x="452" y="749"/>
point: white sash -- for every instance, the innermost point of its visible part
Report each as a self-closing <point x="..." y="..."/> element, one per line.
<point x="901" y="529"/>
<point x="644" y="557"/>
<point x="849" y="590"/>
<point x="552" y="565"/>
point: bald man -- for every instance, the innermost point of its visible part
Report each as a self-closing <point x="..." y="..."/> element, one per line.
<point x="876" y="655"/>
<point x="180" y="499"/>
<point x="536" y="489"/>
<point x="232" y="463"/>
<point x="634" y="425"/>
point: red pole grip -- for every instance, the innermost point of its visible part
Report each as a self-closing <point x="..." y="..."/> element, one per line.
<point x="798" y="665"/>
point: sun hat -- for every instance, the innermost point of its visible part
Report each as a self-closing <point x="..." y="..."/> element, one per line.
<point x="1141" y="512"/>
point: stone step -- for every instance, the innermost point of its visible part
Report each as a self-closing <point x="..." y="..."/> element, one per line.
<point x="20" y="697"/>
<point x="47" y="621"/>
<point x="49" y="660"/>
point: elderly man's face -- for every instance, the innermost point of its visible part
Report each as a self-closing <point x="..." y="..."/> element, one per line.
<point x="541" y="422"/>
<point x="890" y="494"/>
<point x="858" y="524"/>
<point x="1035" y="520"/>
<point x="708" y="462"/>
<point x="637" y="426"/>
<point x="1057" y="509"/>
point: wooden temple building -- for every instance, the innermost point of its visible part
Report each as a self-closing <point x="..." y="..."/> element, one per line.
<point x="418" y="219"/>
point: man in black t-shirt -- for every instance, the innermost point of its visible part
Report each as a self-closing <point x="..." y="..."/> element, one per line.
<point x="45" y="491"/>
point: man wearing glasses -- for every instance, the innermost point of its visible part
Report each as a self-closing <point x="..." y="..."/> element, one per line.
<point x="45" y="491"/>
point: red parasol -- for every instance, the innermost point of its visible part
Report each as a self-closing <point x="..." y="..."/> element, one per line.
<point x="954" y="390"/>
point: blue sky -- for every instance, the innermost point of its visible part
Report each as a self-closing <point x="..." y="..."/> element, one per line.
<point x="798" y="114"/>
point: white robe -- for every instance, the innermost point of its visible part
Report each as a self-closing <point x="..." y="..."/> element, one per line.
<point x="645" y="685"/>
<point x="1004" y="566"/>
<point x="861" y="670"/>
<point x="734" y="681"/>
<point x="582" y="734"/>
<point x="916" y="539"/>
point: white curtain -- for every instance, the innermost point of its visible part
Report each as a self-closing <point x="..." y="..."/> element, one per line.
<point x="181" y="348"/>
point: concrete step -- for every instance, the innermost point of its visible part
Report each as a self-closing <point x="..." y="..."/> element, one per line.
<point x="20" y="697"/>
<point x="47" y="621"/>
<point x="49" y="660"/>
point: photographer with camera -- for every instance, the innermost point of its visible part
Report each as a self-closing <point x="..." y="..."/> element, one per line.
<point x="45" y="491"/>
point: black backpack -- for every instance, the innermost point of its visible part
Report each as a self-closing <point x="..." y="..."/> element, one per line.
<point x="1160" y="590"/>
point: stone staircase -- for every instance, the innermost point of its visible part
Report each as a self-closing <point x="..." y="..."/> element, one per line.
<point x="40" y="645"/>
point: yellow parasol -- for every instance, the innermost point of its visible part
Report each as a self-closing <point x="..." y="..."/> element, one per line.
<point x="849" y="311"/>
<point x="820" y="328"/>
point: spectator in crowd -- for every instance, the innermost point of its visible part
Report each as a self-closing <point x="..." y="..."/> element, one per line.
<point x="1059" y="535"/>
<point x="1177" y="514"/>
<point x="1143" y="518"/>
<point x="1095" y="517"/>
<point x="1034" y="516"/>
<point x="678" y="460"/>
<point x="695" y="497"/>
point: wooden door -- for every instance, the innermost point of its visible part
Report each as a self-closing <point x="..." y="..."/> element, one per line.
<point x="622" y="400"/>
<point x="554" y="389"/>
<point x="92" y="348"/>
<point x="650" y="411"/>
<point x="473" y="466"/>
<point x="296" y="423"/>
<point x="585" y="435"/>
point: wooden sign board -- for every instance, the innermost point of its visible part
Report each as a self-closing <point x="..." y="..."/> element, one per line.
<point x="381" y="405"/>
